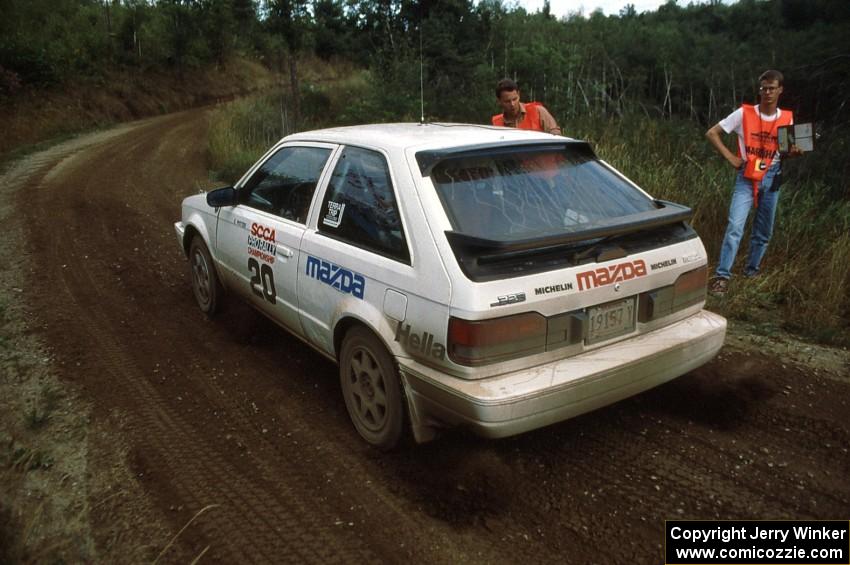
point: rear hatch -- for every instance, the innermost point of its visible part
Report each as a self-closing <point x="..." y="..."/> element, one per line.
<point x="561" y="253"/>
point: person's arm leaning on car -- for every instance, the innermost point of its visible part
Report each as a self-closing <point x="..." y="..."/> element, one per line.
<point x="548" y="122"/>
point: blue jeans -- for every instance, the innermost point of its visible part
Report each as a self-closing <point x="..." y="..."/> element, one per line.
<point x="739" y="210"/>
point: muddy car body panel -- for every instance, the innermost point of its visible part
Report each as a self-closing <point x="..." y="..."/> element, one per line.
<point x="512" y="278"/>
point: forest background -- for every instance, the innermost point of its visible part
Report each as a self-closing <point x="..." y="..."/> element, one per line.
<point x="641" y="87"/>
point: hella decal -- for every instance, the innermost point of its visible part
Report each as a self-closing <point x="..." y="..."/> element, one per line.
<point x="610" y="275"/>
<point x="338" y="277"/>
<point x="509" y="299"/>
<point x="563" y="287"/>
<point x="662" y="264"/>
<point x="415" y="343"/>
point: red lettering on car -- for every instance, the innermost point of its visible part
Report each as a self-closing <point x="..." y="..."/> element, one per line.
<point x="609" y="275"/>
<point x="261" y="231"/>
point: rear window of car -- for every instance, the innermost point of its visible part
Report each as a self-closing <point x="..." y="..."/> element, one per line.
<point x="525" y="194"/>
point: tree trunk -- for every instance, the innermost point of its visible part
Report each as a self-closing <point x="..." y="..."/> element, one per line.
<point x="586" y="101"/>
<point x="711" y="104"/>
<point x="734" y="93"/>
<point x="295" y="90"/>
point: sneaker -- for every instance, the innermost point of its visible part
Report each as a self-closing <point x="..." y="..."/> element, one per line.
<point x="718" y="286"/>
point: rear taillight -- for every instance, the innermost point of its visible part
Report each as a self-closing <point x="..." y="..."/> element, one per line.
<point x="689" y="289"/>
<point x="481" y="342"/>
<point x="478" y="342"/>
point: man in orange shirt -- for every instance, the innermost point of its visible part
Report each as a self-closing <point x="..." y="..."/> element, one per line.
<point x="515" y="114"/>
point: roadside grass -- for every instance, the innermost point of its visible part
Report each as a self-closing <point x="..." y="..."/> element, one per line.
<point x="239" y="134"/>
<point x="14" y="155"/>
<point x="29" y="405"/>
<point x="42" y="407"/>
<point x="805" y="282"/>
<point x="4" y="338"/>
<point x="21" y="458"/>
<point x="243" y="130"/>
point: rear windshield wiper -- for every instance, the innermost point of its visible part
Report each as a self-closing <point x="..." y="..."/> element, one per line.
<point x="603" y="249"/>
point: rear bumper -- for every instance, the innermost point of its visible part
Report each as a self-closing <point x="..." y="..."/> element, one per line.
<point x="532" y="398"/>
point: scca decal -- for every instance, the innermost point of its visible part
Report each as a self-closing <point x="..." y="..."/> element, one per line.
<point x="338" y="277"/>
<point x="261" y="243"/>
<point x="609" y="275"/>
<point x="261" y="231"/>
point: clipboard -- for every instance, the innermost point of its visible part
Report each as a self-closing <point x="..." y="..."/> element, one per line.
<point x="800" y="135"/>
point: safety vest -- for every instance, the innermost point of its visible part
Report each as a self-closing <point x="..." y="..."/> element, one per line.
<point x="530" y="121"/>
<point x="760" y="143"/>
<point x="547" y="166"/>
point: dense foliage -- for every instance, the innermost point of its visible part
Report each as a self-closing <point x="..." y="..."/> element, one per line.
<point x="698" y="61"/>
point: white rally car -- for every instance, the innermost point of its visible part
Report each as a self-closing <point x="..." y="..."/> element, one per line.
<point x="492" y="278"/>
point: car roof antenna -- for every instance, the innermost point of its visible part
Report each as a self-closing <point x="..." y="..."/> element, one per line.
<point x="421" y="78"/>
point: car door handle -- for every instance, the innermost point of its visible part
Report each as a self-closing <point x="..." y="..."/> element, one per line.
<point x="285" y="251"/>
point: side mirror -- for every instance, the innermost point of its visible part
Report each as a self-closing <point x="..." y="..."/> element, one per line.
<point x="222" y="197"/>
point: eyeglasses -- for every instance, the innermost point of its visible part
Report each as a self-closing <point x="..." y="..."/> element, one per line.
<point x="768" y="89"/>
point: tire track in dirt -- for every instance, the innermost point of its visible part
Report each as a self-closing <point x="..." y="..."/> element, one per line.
<point x="620" y="472"/>
<point x="199" y="475"/>
<point x="788" y="451"/>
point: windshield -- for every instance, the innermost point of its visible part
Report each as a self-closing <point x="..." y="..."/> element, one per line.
<point x="526" y="194"/>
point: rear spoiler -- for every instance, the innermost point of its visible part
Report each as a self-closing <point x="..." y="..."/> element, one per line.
<point x="427" y="160"/>
<point x="667" y="213"/>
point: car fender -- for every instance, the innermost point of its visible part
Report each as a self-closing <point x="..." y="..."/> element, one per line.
<point x="196" y="221"/>
<point x="352" y="311"/>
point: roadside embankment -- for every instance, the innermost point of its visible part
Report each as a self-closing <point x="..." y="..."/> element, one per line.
<point x="34" y="116"/>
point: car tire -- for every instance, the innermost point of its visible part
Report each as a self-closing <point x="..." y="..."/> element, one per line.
<point x="205" y="284"/>
<point x="372" y="389"/>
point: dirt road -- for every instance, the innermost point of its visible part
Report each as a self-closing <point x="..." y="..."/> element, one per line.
<point x="238" y="432"/>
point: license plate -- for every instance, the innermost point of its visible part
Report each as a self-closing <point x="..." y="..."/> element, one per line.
<point x="610" y="320"/>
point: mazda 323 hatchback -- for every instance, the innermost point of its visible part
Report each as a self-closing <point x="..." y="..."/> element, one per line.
<point x="492" y="278"/>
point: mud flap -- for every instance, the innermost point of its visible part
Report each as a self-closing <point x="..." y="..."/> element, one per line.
<point x="423" y="430"/>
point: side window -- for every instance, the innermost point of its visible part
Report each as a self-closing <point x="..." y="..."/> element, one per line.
<point x="360" y="206"/>
<point x="285" y="183"/>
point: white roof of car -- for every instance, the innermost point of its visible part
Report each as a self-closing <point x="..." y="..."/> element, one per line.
<point x="423" y="136"/>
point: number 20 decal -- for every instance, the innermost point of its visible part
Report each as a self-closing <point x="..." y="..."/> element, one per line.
<point x="262" y="276"/>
